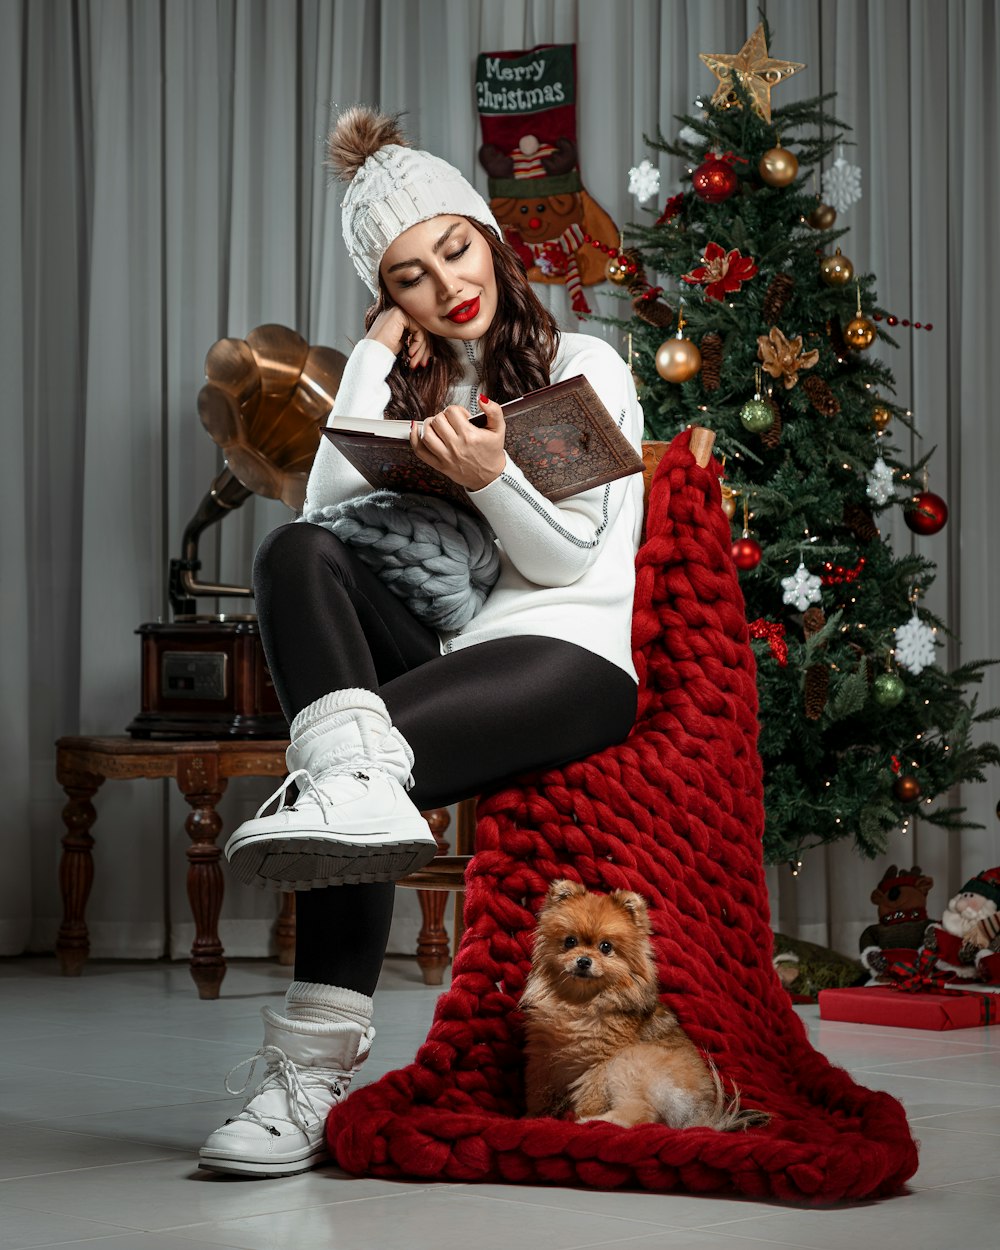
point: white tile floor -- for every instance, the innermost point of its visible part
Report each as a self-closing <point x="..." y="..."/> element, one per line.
<point x="109" y="1082"/>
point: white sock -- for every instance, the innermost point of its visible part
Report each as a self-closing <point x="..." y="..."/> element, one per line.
<point x="327" y="1004"/>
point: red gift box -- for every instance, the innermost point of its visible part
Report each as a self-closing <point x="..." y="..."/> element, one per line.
<point x="928" y="1009"/>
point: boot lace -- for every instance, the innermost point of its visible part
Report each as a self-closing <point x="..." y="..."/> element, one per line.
<point x="355" y="766"/>
<point x="284" y="1075"/>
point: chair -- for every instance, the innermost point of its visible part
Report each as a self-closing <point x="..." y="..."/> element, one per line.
<point x="676" y="813"/>
<point x="446" y="873"/>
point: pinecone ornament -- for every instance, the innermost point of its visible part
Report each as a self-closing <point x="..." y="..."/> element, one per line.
<point x="820" y="396"/>
<point x="782" y="285"/>
<point x="771" y="437"/>
<point x="653" y="311"/>
<point x="860" y="522"/>
<point x="817" y="690"/>
<point x="711" y="361"/>
<point x="813" y="620"/>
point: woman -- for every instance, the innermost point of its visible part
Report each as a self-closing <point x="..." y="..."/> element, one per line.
<point x="388" y="716"/>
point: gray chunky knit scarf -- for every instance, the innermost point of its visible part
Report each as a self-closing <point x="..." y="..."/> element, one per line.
<point x="440" y="560"/>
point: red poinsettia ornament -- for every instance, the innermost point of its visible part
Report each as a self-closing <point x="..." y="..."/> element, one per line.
<point x="722" y="271"/>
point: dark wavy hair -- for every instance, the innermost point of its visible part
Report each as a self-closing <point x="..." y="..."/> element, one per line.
<point x="518" y="347"/>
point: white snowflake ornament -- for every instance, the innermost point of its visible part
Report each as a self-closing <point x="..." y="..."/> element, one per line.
<point x="801" y="589"/>
<point x="842" y="185"/>
<point x="881" y="487"/>
<point x="915" y="645"/>
<point x="643" y="181"/>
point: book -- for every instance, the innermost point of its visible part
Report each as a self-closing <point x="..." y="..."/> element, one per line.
<point x="561" y="437"/>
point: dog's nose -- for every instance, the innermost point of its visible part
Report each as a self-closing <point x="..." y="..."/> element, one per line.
<point x="584" y="963"/>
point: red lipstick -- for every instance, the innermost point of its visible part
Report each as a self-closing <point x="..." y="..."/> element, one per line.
<point x="464" y="312"/>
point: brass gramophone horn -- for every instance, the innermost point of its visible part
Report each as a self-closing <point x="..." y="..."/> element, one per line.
<point x="264" y="402"/>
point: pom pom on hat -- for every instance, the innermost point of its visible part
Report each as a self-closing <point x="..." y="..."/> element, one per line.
<point x="392" y="187"/>
<point x="359" y="133"/>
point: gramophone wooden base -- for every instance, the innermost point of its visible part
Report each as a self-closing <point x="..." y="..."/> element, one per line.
<point x="206" y="678"/>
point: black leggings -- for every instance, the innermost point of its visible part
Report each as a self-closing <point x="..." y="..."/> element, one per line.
<point x="473" y="717"/>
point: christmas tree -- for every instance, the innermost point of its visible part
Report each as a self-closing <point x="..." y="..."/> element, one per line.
<point x="748" y="319"/>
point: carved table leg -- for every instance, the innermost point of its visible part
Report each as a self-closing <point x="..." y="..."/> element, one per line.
<point x="284" y="932"/>
<point x="76" y="867"/>
<point x="433" y="953"/>
<point x="202" y="787"/>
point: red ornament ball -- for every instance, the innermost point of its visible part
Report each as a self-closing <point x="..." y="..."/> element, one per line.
<point x="747" y="553"/>
<point x="714" y="181"/>
<point x="928" y="514"/>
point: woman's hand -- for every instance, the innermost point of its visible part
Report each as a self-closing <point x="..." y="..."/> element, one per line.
<point x="401" y="334"/>
<point x="471" y="455"/>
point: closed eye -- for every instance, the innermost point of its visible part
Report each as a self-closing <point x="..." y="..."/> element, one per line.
<point x="411" y="282"/>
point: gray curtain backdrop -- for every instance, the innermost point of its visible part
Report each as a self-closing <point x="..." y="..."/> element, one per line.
<point x="163" y="187"/>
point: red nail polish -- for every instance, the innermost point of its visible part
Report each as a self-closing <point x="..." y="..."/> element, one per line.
<point x="484" y="399"/>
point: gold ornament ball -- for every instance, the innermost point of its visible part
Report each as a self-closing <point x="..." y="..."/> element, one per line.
<point x="729" y="503"/>
<point x="677" y="360"/>
<point x="778" y="167"/>
<point x="859" y="333"/>
<point x="906" y="789"/>
<point x="836" y="270"/>
<point x="822" y="217"/>
<point x="615" y="271"/>
<point x="881" y="416"/>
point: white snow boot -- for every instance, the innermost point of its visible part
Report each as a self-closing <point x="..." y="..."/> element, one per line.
<point x="282" y="1127"/>
<point x="352" y="820"/>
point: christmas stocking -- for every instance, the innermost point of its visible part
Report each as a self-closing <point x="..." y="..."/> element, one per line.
<point x="527" y="106"/>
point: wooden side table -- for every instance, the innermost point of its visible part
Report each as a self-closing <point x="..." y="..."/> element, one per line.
<point x="202" y="770"/>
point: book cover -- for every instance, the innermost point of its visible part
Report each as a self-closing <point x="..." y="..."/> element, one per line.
<point x="561" y="437"/>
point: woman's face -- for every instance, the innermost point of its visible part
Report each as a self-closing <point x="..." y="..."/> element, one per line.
<point x="440" y="272"/>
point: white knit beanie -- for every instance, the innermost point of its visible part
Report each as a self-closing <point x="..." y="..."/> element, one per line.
<point x="392" y="187"/>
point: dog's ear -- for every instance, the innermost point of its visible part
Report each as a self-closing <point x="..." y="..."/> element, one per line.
<point x="561" y="890"/>
<point x="635" y="905"/>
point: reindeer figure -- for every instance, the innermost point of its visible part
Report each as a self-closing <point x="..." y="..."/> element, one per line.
<point x="901" y="899"/>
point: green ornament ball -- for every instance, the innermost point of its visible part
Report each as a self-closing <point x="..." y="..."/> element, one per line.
<point x="888" y="690"/>
<point x="756" y="416"/>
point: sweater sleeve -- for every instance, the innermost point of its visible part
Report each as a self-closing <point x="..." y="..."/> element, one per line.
<point x="363" y="392"/>
<point x="553" y="544"/>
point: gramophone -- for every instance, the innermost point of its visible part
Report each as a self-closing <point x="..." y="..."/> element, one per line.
<point x="264" y="402"/>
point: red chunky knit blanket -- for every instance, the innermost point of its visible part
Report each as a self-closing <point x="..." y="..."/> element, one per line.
<point x="675" y="813"/>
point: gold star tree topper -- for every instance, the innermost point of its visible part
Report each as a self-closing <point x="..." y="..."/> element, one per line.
<point x="751" y="66"/>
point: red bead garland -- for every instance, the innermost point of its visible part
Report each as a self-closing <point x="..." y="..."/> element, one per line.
<point x="628" y="265"/>
<point x="836" y="574"/>
<point x="895" y="321"/>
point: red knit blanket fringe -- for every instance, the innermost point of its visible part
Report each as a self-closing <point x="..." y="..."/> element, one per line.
<point x="675" y="813"/>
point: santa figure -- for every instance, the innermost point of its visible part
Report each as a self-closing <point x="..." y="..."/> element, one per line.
<point x="967" y="940"/>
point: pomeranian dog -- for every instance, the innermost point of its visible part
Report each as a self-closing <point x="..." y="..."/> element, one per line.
<point x="600" y="1045"/>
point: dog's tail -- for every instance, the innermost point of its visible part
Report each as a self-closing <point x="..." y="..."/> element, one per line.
<point x="728" y="1114"/>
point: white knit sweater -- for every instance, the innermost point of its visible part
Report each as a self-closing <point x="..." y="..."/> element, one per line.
<point x="567" y="570"/>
